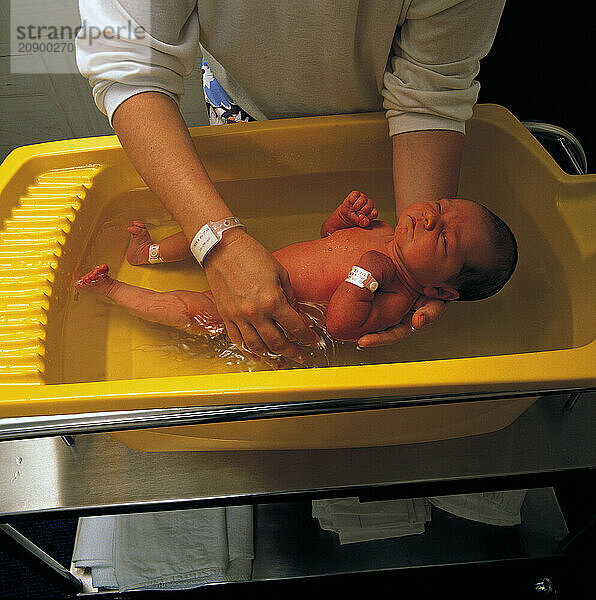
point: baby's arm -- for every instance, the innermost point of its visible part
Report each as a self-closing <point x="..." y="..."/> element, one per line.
<point x="357" y="210"/>
<point x="354" y="311"/>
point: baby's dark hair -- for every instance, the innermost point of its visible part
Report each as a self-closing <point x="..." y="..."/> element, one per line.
<point x="473" y="283"/>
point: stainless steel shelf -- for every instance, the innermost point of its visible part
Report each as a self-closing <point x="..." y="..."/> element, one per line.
<point x="98" y="475"/>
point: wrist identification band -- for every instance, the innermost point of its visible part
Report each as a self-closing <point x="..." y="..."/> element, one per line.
<point x="362" y="278"/>
<point x="209" y="235"/>
<point x="154" y="256"/>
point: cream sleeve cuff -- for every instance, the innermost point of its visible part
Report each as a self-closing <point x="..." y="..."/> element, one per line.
<point x="116" y="93"/>
<point x="405" y="122"/>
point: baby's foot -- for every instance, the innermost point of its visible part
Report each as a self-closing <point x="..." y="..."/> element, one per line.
<point x="138" y="247"/>
<point x="97" y="280"/>
<point x="358" y="209"/>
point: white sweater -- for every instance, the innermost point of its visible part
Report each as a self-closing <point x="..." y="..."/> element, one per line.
<point x="417" y="59"/>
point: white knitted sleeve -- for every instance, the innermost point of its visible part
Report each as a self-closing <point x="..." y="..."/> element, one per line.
<point x="429" y="82"/>
<point x="132" y="46"/>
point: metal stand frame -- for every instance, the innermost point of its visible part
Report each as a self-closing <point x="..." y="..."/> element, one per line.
<point x="561" y="409"/>
<point x="67" y="426"/>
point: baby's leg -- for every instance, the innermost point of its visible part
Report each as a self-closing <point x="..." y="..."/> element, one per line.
<point x="171" y="249"/>
<point x="193" y="312"/>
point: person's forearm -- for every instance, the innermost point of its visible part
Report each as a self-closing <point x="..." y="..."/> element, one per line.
<point x="426" y="166"/>
<point x="157" y="142"/>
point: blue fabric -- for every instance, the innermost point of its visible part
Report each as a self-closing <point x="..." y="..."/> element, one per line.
<point x="220" y="107"/>
<point x="214" y="93"/>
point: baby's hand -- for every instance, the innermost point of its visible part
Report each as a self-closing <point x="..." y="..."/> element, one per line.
<point x="358" y="210"/>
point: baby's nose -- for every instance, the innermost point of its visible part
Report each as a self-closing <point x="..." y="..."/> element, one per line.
<point x="430" y="220"/>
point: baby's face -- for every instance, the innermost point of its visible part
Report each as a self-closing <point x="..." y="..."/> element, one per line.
<point x="435" y="239"/>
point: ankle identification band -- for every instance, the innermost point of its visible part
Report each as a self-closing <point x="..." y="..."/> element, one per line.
<point x="362" y="278"/>
<point x="154" y="256"/>
<point x="209" y="235"/>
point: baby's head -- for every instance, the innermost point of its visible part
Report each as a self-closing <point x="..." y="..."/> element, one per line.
<point x="455" y="249"/>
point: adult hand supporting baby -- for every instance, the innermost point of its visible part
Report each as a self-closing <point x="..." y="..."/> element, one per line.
<point x="424" y="312"/>
<point x="254" y="297"/>
<point x="250" y="288"/>
<point x="426" y="167"/>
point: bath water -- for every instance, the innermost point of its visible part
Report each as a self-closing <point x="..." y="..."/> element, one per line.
<point x="101" y="341"/>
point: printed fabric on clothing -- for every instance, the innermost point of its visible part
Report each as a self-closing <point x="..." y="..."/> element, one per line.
<point x="221" y="109"/>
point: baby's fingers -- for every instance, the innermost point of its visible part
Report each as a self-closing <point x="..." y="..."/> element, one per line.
<point x="357" y="200"/>
<point x="363" y="221"/>
<point x="366" y="215"/>
<point x="354" y="217"/>
<point x="368" y="207"/>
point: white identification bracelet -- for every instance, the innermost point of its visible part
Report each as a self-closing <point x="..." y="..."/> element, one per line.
<point x="362" y="278"/>
<point x="154" y="256"/>
<point x="209" y="235"/>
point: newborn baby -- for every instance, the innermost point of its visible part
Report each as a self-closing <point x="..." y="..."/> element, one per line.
<point x="368" y="273"/>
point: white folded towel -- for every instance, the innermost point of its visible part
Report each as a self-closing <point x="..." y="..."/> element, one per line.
<point x="167" y="550"/>
<point x="93" y="549"/>
<point x="356" y="521"/>
<point x="492" y="508"/>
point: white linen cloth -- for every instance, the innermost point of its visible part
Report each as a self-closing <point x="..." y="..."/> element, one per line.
<point x="93" y="549"/>
<point x="167" y="550"/>
<point x="356" y="521"/>
<point x="492" y="508"/>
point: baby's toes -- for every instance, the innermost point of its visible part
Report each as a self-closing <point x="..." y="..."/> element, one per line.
<point x="136" y="225"/>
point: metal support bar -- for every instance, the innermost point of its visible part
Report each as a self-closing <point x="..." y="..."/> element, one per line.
<point x="572" y="401"/>
<point x="572" y="159"/>
<point x="39" y="554"/>
<point x="17" y="428"/>
<point x="578" y="534"/>
<point x="568" y="142"/>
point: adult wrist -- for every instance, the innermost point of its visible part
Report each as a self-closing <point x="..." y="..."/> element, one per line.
<point x="229" y="239"/>
<point x="212" y="234"/>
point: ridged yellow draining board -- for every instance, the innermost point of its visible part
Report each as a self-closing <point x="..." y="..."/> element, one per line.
<point x="31" y="241"/>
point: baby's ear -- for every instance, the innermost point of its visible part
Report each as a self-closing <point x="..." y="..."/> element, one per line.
<point x="443" y="292"/>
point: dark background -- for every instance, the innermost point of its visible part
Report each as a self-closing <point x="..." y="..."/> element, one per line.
<point x="541" y="66"/>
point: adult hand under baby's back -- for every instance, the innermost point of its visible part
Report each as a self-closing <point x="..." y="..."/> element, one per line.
<point x="425" y="311"/>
